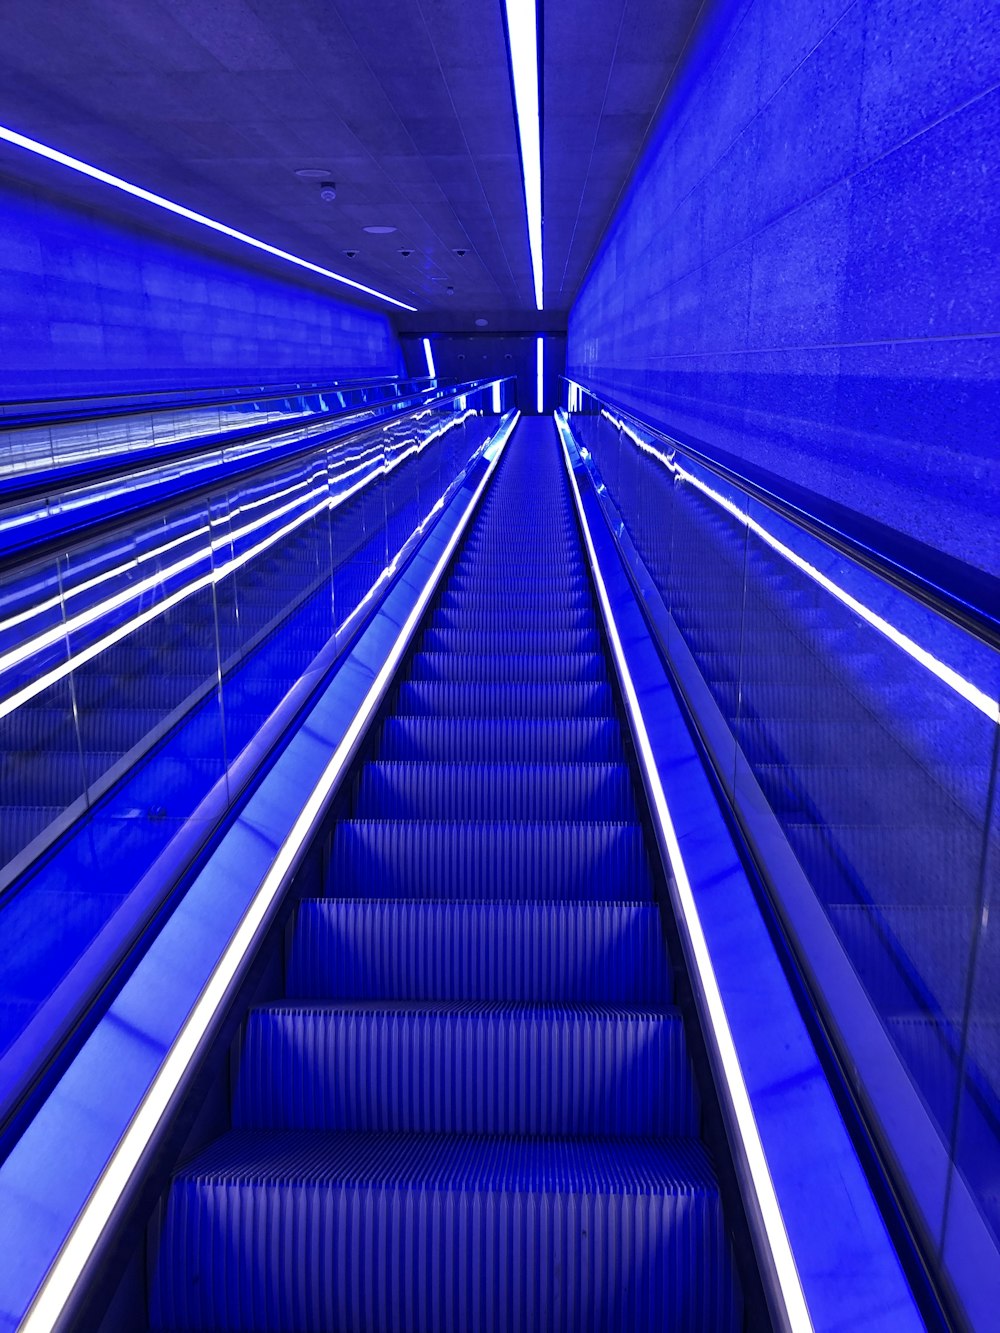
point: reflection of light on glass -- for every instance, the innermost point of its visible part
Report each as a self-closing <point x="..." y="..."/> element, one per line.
<point x="59" y="632"/>
<point x="497" y="404"/>
<point x="429" y="357"/>
<point x="950" y="677"/>
<point x="363" y="460"/>
<point x="767" y="1199"/>
<point x="539" y="369"/>
<point x="522" y="33"/>
<point x="106" y="178"/>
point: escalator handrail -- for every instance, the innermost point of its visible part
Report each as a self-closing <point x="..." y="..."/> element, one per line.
<point x="946" y="601"/>
<point x="19" y="414"/>
<point x="42" y="534"/>
<point x="48" y="477"/>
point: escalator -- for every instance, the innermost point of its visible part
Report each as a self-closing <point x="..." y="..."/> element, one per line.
<point x="147" y="670"/>
<point x="474" y="1108"/>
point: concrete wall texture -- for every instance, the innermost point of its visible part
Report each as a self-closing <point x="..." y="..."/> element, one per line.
<point x="803" y="271"/>
<point x="94" y="304"/>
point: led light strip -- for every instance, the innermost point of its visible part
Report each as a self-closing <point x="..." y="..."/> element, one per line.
<point x="48" y="637"/>
<point x="62" y="1277"/>
<point x="948" y="675"/>
<point x="429" y="358"/>
<point x="88" y="585"/>
<point x="522" y="36"/>
<point x="106" y="178"/>
<point x="767" y="1200"/>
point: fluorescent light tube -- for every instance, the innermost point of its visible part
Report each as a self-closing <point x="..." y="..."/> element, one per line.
<point x="85" y="169"/>
<point x="522" y="36"/>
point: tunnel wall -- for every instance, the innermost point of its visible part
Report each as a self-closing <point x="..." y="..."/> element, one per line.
<point x="93" y="303"/>
<point x="803" y="271"/>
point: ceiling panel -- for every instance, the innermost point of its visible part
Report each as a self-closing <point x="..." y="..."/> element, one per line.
<point x="407" y="106"/>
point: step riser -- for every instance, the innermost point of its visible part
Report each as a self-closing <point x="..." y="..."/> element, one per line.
<point x="495" y="792"/>
<point x="446" y="1073"/>
<point x="406" y="1260"/>
<point x="475" y="861"/>
<point x="487" y="667"/>
<point x="545" y="643"/>
<point x="567" y="740"/>
<point x="491" y="699"/>
<point x="605" y="953"/>
<point x="503" y="617"/>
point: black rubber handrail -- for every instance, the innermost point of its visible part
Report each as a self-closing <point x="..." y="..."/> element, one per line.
<point x="949" y="587"/>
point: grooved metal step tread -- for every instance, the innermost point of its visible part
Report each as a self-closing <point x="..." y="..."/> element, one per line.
<point x="540" y="951"/>
<point x="434" y="789"/>
<point x="469" y="860"/>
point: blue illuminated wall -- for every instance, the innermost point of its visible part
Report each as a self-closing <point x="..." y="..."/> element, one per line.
<point x="91" y="303"/>
<point x="805" y="270"/>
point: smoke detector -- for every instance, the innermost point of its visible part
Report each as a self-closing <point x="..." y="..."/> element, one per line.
<point x="328" y="192"/>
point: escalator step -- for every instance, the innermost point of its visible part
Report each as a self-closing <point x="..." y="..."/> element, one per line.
<point x="488" y="740"/>
<point x="496" y="699"/>
<point x="465" y="1067"/>
<point x="549" y="643"/>
<point x="504" y="616"/>
<point x="389" y="790"/>
<point x="414" y="1233"/>
<point x="600" y="952"/>
<point x="567" y="668"/>
<point x="475" y="861"/>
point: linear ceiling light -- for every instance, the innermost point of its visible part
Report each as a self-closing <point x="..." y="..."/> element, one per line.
<point x="522" y="37"/>
<point x="85" y="169"/>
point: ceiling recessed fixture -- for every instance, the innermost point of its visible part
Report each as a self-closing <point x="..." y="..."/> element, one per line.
<point x="481" y="323"/>
<point x="312" y="173"/>
<point x="379" y="231"/>
<point x="351" y="254"/>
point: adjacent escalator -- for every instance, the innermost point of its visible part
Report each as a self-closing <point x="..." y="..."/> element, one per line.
<point x="474" y="1108"/>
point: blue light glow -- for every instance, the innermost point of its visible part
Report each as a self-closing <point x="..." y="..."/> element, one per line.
<point x="539" y="375"/>
<point x="429" y="356"/>
<point x="105" y="177"/>
<point x="522" y="32"/>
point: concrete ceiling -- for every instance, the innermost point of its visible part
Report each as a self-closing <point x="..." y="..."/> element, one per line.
<point x="408" y="106"/>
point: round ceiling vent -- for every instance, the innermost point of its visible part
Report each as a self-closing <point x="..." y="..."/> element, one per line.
<point x="379" y="231"/>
